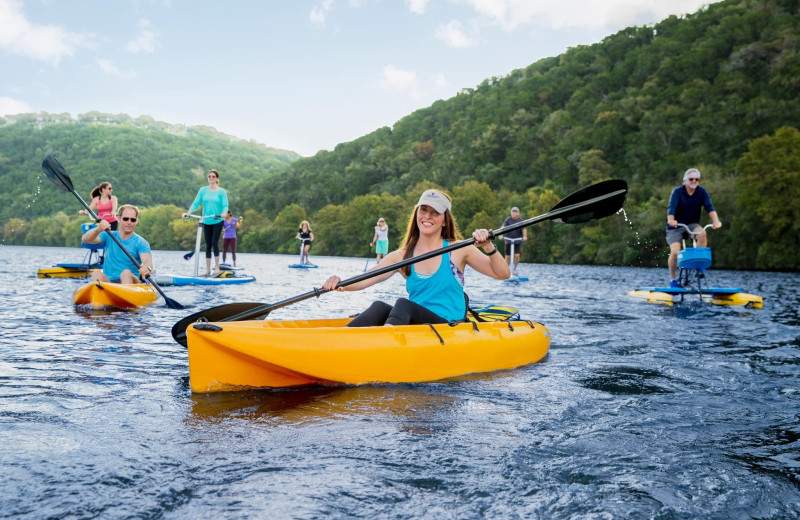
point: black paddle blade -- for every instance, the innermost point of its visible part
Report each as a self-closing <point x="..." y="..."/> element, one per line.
<point x="172" y="304"/>
<point x="56" y="173"/>
<point x="596" y="210"/>
<point x="218" y="313"/>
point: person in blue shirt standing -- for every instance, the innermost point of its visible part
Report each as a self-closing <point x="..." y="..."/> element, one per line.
<point x="117" y="267"/>
<point x="685" y="205"/>
<point x="435" y="286"/>
<point x="215" y="205"/>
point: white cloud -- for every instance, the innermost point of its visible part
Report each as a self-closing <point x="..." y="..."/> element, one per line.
<point x="403" y="81"/>
<point x="319" y="13"/>
<point x="452" y="33"/>
<point x="10" y="106"/>
<point x="112" y="70"/>
<point x="145" y="42"/>
<point x="590" y="14"/>
<point x="417" y="6"/>
<point x="40" y="42"/>
<point x="440" y="82"/>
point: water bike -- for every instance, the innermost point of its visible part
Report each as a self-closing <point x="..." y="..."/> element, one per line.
<point x="693" y="263"/>
<point x="301" y="264"/>
<point x="511" y="265"/>
<point x="226" y="276"/>
<point x="93" y="260"/>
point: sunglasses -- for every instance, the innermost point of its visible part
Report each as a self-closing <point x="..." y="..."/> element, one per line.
<point x="129" y="219"/>
<point x="212" y="176"/>
<point x="694" y="179"/>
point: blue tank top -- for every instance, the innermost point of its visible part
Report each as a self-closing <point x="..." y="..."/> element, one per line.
<point x="440" y="292"/>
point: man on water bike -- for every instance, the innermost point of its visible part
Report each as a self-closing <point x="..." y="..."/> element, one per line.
<point x="684" y="208"/>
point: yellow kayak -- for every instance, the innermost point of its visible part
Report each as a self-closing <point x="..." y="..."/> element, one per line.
<point x="238" y="355"/>
<point x="99" y="295"/>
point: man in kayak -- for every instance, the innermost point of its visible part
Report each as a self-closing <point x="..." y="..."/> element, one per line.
<point x="435" y="286"/>
<point x="117" y="267"/>
<point x="685" y="204"/>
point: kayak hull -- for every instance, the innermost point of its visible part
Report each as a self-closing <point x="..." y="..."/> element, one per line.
<point x="232" y="356"/>
<point x="100" y="295"/>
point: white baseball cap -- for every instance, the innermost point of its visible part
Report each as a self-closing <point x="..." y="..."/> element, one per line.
<point x="435" y="199"/>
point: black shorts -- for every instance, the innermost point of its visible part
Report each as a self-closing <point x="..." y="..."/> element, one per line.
<point x="517" y="248"/>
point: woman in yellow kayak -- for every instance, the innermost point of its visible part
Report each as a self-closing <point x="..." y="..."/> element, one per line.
<point x="436" y="285"/>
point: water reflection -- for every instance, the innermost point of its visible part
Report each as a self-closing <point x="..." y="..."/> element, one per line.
<point x="416" y="407"/>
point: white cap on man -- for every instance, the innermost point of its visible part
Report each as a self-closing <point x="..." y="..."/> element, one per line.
<point x="515" y="209"/>
<point x="435" y="199"/>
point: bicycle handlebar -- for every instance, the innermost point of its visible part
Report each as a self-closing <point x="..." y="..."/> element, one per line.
<point x="695" y="232"/>
<point x="200" y="217"/>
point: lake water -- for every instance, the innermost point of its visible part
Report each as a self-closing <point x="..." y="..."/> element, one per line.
<point x="639" y="411"/>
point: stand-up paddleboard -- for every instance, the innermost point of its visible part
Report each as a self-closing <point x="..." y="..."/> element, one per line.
<point x="224" y="278"/>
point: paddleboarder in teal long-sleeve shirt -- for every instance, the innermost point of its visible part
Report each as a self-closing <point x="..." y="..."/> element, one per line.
<point x="685" y="205"/>
<point x="215" y="204"/>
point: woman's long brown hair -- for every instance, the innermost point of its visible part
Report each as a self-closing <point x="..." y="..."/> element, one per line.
<point x="99" y="189"/>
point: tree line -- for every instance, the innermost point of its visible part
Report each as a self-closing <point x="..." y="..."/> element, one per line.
<point x="717" y="90"/>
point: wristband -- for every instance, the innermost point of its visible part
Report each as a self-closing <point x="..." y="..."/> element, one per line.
<point x="493" y="252"/>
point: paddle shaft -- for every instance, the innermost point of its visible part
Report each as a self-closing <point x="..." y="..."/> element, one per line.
<point x="550" y="215"/>
<point x="368" y="257"/>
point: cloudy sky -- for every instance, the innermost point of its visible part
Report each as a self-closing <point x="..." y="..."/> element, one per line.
<point x="294" y="74"/>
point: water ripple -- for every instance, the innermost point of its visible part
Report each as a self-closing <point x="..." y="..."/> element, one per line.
<point x="639" y="411"/>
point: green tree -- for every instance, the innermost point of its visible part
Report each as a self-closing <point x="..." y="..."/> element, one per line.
<point x="769" y="189"/>
<point x="14" y="231"/>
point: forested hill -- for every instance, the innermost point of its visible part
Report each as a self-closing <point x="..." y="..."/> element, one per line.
<point x="150" y="162"/>
<point x="644" y="104"/>
<point x="718" y="89"/>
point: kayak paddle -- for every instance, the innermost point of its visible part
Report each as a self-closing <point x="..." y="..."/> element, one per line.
<point x="56" y="173"/>
<point x="591" y="203"/>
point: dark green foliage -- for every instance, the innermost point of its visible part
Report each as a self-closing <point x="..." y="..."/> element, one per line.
<point x="147" y="162"/>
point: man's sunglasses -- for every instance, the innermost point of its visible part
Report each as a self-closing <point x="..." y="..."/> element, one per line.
<point x="129" y="219"/>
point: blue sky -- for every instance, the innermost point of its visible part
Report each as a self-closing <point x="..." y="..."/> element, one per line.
<point x="293" y="74"/>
